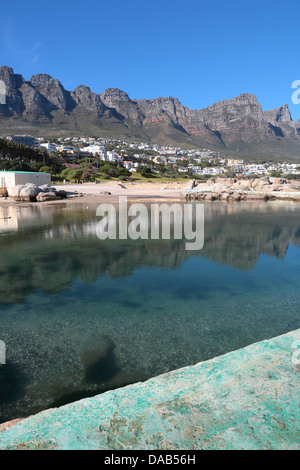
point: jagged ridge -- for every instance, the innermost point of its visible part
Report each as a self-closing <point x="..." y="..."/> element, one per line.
<point x="236" y="125"/>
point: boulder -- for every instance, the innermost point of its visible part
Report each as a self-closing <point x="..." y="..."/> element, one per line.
<point x="209" y="197"/>
<point x="256" y="183"/>
<point x="46" y="188"/>
<point x="29" y="192"/>
<point x="257" y="197"/>
<point x="220" y="187"/>
<point x="50" y="196"/>
<point x="225" y="196"/>
<point x="245" y="184"/>
<point x="288" y="187"/>
<point x="61" y="194"/>
<point x="276" y="187"/>
<point x="277" y="180"/>
<point x="21" y="192"/>
<point x="235" y="197"/>
<point x="14" y="192"/>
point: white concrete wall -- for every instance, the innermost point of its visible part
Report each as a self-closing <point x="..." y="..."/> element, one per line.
<point x="7" y="179"/>
<point x="13" y="179"/>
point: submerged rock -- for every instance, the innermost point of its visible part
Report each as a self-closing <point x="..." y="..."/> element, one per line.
<point x="98" y="361"/>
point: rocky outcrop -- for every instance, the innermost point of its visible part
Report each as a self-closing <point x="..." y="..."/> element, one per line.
<point x="280" y="121"/>
<point x="255" y="189"/>
<point x="235" y="124"/>
<point x="14" y="103"/>
<point x="30" y="192"/>
<point x="52" y="90"/>
<point x="84" y="99"/>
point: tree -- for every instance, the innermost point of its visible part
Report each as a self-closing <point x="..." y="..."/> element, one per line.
<point x="36" y="166"/>
<point x="68" y="173"/>
<point x="8" y="165"/>
<point x="45" y="169"/>
<point x="75" y="174"/>
<point x="276" y="174"/>
<point x="145" y="171"/>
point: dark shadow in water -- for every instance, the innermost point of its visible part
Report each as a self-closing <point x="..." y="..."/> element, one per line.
<point x="186" y="291"/>
<point x="101" y="373"/>
<point x="108" y="294"/>
<point x="130" y="304"/>
<point x="11" y="383"/>
<point x="105" y="387"/>
<point x="99" y="361"/>
<point x="103" y="370"/>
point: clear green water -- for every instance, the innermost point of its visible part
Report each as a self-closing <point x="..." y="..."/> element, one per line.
<point x="80" y="316"/>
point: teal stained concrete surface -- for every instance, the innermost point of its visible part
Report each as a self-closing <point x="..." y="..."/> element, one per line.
<point x="246" y="399"/>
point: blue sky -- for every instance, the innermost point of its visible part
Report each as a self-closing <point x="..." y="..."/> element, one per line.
<point x="198" y="51"/>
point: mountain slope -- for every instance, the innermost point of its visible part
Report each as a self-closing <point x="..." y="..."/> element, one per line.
<point x="237" y="126"/>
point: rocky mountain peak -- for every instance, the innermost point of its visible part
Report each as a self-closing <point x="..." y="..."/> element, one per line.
<point x="279" y="115"/>
<point x="85" y="100"/>
<point x="14" y="103"/>
<point x="6" y="73"/>
<point x="51" y="89"/>
<point x="12" y="81"/>
<point x="41" y="79"/>
<point x="113" y="95"/>
<point x="82" y="89"/>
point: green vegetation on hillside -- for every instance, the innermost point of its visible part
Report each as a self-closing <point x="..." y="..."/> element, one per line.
<point x="14" y="157"/>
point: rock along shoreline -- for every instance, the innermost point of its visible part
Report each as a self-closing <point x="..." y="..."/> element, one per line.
<point x="235" y="189"/>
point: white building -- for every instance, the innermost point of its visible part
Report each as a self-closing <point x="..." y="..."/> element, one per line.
<point x="8" y="179"/>
<point x="215" y="170"/>
<point x="256" y="169"/>
<point x="290" y="169"/>
<point x="196" y="170"/>
<point x="50" y="147"/>
<point x="172" y="160"/>
<point x="113" y="156"/>
<point x="130" y="165"/>
<point x="96" y="150"/>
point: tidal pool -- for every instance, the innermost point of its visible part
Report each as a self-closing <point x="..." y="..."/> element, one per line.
<point x="80" y="316"/>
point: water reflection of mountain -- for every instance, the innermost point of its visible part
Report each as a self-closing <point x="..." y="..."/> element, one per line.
<point x="63" y="246"/>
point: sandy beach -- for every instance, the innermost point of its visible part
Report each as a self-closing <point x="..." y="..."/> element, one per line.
<point x="110" y="191"/>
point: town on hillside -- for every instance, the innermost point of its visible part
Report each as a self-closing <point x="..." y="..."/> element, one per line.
<point x="88" y="158"/>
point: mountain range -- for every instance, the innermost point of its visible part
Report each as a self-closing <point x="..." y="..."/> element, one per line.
<point x="237" y="126"/>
